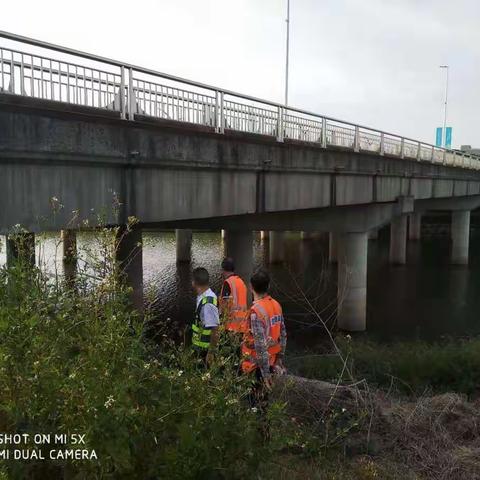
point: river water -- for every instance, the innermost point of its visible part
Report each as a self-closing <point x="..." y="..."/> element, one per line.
<point x="426" y="299"/>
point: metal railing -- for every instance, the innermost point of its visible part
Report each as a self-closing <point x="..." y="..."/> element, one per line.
<point x="64" y="75"/>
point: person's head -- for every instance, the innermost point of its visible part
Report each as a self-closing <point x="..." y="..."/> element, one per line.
<point x="260" y="281"/>
<point x="228" y="266"/>
<point x="201" y="279"/>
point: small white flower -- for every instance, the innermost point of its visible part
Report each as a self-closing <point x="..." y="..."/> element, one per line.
<point x="206" y="376"/>
<point x="110" y="401"/>
<point x="254" y="409"/>
<point x="146" y="366"/>
<point x="180" y="373"/>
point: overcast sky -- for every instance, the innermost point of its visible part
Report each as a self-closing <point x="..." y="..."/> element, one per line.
<point x="374" y="62"/>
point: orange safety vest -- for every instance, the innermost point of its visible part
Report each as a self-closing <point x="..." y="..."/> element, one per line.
<point x="235" y="306"/>
<point x="270" y="313"/>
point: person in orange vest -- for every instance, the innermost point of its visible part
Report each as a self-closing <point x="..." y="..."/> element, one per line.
<point x="233" y="298"/>
<point x="265" y="336"/>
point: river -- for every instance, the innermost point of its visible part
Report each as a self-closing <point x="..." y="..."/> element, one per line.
<point x="426" y="299"/>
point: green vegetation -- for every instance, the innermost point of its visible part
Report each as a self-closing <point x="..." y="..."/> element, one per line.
<point x="407" y="367"/>
<point x="74" y="360"/>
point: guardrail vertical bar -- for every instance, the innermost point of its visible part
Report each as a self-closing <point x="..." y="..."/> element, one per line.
<point x="444" y="157"/>
<point x="12" y="74"/>
<point x="356" y="140"/>
<point x="121" y="94"/>
<point x="324" y="132"/>
<point x="419" y="151"/>
<point x="131" y="96"/>
<point x="382" y="144"/>
<point x="402" y="148"/>
<point x="432" y="158"/>
<point x="221" y="128"/>
<point x="280" y="134"/>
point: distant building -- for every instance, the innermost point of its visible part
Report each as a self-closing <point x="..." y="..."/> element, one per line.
<point x="469" y="149"/>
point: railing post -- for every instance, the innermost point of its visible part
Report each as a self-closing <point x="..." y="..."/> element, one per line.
<point x="220" y="112"/>
<point x="402" y="148"/>
<point x="444" y="156"/>
<point x="419" y="152"/>
<point x="131" y="96"/>
<point x="382" y="144"/>
<point x="432" y="158"/>
<point x="356" y="140"/>
<point x="123" y="98"/>
<point x="324" y="132"/>
<point x="12" y="75"/>
<point x="280" y="134"/>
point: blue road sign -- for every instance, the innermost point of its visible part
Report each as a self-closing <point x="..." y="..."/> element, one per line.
<point x="438" y="138"/>
<point x="448" y="137"/>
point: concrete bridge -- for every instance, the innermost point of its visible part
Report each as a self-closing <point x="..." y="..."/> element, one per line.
<point x="84" y="134"/>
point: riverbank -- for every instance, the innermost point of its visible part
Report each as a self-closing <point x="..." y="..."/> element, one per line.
<point x="74" y="360"/>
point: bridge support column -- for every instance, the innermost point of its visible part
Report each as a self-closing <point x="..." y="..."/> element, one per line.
<point x="183" y="240"/>
<point x="129" y="255"/>
<point x="333" y="247"/>
<point x="277" y="247"/>
<point x="69" y="243"/>
<point x="414" y="226"/>
<point x="460" y="237"/>
<point x="21" y="246"/>
<point x="352" y="281"/>
<point x="239" y="246"/>
<point x="264" y="234"/>
<point x="398" y="240"/>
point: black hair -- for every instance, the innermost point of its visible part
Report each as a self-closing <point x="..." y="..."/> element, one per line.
<point x="228" y="265"/>
<point x="260" y="281"/>
<point x="201" y="277"/>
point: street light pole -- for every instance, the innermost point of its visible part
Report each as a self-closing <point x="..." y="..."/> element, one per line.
<point x="445" y="107"/>
<point x="288" y="52"/>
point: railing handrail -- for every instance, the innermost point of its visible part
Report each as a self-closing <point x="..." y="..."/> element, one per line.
<point x="174" y="78"/>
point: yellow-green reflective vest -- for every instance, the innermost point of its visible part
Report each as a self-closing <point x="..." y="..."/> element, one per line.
<point x="200" y="335"/>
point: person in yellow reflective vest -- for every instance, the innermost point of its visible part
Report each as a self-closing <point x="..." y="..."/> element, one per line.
<point x="206" y="320"/>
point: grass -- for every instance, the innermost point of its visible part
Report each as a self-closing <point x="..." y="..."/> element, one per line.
<point x="408" y="367"/>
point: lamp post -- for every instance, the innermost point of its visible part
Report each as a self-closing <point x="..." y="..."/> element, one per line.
<point x="287" y="53"/>
<point x="445" y="67"/>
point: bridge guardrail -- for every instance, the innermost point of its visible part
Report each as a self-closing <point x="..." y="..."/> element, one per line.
<point x="78" y="78"/>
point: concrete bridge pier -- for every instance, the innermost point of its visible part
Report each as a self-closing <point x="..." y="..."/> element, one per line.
<point x="460" y="237"/>
<point x="277" y="247"/>
<point x="333" y="247"/>
<point x="21" y="246"/>
<point x="129" y="255"/>
<point x="352" y="281"/>
<point x="69" y="245"/>
<point x="414" y="226"/>
<point x="239" y="246"/>
<point x="183" y="239"/>
<point x="398" y="240"/>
